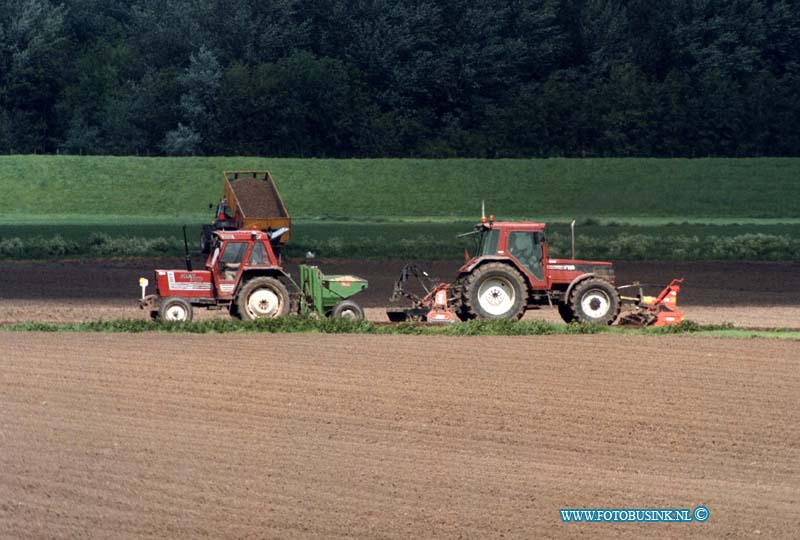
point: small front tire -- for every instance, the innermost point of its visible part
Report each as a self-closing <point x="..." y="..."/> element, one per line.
<point x="175" y="309"/>
<point x="595" y="301"/>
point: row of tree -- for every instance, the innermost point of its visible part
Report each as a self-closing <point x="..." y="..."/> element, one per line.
<point x="431" y="78"/>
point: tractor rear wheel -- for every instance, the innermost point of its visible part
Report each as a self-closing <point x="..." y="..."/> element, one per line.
<point x="567" y="315"/>
<point x="262" y="298"/>
<point x="493" y="291"/>
<point x="175" y="309"/>
<point x="347" y="309"/>
<point x="595" y="301"/>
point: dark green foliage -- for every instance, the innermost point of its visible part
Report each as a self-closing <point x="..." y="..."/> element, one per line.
<point x="423" y="78"/>
<point x="406" y="241"/>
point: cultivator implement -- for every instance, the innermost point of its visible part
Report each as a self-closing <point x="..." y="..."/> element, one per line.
<point x="661" y="310"/>
<point x="433" y="305"/>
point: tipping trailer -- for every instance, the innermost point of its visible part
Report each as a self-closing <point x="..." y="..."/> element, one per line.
<point x="251" y="201"/>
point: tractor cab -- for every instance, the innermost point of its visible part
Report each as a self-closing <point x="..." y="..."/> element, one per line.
<point x="235" y="253"/>
<point x="523" y="243"/>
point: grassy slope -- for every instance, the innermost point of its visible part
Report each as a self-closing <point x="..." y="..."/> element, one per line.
<point x="85" y="188"/>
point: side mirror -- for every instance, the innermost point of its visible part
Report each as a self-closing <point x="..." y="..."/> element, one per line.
<point x="277" y="234"/>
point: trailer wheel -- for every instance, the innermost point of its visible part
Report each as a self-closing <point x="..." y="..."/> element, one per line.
<point x="175" y="309"/>
<point x="263" y="298"/>
<point x="347" y="309"/>
<point x="493" y="291"/>
<point x="595" y="301"/>
<point x="567" y="315"/>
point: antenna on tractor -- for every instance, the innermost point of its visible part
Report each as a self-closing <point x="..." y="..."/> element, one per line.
<point x="572" y="226"/>
<point x="186" y="251"/>
<point x="483" y="211"/>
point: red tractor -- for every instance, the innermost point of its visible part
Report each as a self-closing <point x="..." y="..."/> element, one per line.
<point x="243" y="275"/>
<point x="512" y="272"/>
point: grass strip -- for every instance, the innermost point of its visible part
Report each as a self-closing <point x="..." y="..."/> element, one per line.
<point x="760" y="188"/>
<point x="312" y="325"/>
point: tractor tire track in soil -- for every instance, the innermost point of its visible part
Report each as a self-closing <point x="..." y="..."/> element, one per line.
<point x="759" y="295"/>
<point x="320" y="436"/>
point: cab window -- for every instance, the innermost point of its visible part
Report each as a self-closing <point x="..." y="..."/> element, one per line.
<point x="259" y="255"/>
<point x="231" y="260"/>
<point x="488" y="243"/>
<point x="526" y="247"/>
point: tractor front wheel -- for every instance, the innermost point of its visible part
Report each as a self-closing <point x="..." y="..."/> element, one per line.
<point x="175" y="309"/>
<point x="493" y="291"/>
<point x="347" y="309"/>
<point x="263" y="298"/>
<point x="595" y="301"/>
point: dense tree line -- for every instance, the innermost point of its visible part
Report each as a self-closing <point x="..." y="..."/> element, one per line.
<point x="433" y="78"/>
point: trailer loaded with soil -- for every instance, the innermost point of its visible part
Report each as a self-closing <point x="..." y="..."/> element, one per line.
<point x="251" y="201"/>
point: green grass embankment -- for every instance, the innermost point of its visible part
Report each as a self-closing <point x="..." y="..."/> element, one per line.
<point x="658" y="209"/>
<point x="369" y="189"/>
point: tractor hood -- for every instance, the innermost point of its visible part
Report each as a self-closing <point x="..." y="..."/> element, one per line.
<point x="197" y="284"/>
<point x="566" y="270"/>
<point x="576" y="264"/>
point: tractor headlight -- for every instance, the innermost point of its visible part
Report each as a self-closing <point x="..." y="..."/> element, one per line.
<point x="143" y="283"/>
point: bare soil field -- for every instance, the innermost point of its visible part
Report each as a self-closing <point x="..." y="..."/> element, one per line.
<point x="756" y="295"/>
<point x="320" y="437"/>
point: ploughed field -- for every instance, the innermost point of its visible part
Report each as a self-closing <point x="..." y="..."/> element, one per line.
<point x="337" y="436"/>
<point x="749" y="294"/>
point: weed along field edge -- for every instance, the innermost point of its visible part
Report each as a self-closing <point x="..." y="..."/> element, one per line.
<point x="761" y="295"/>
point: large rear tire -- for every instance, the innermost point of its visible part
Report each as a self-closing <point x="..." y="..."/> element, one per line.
<point x="595" y="301"/>
<point x="493" y="291"/>
<point x="263" y="298"/>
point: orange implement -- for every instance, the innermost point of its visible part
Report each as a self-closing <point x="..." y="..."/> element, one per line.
<point x="661" y="310"/>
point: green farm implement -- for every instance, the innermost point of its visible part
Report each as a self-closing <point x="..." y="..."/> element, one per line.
<point x="329" y="295"/>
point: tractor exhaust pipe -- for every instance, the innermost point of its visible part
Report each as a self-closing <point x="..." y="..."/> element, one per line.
<point x="572" y="226"/>
<point x="186" y="251"/>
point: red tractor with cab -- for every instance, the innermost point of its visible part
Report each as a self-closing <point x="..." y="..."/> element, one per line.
<point x="512" y="272"/>
<point x="243" y="275"/>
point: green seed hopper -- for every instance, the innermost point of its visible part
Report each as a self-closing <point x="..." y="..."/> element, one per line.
<point x="328" y="295"/>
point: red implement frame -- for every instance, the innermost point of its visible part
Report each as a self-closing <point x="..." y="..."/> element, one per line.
<point x="661" y="310"/>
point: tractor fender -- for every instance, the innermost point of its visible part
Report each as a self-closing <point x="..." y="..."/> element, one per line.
<point x="277" y="273"/>
<point x="577" y="280"/>
<point x="475" y="263"/>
